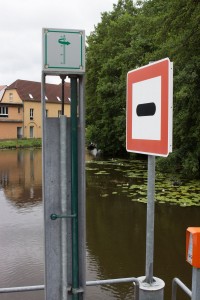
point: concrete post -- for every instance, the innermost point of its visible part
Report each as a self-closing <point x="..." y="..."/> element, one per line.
<point x="151" y="291"/>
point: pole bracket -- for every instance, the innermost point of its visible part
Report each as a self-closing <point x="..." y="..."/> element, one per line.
<point x="76" y="291"/>
<point x="53" y="217"/>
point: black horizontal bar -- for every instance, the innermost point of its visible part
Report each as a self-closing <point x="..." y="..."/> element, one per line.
<point x="146" y="109"/>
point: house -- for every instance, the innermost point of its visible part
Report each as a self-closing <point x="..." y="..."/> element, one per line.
<point x="21" y="108"/>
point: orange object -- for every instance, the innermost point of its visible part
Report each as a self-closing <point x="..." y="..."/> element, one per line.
<point x="193" y="246"/>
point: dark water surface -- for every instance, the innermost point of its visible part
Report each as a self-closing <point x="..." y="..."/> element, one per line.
<point x="116" y="225"/>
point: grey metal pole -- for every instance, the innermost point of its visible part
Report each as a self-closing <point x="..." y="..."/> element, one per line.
<point x="43" y="82"/>
<point x="82" y="188"/>
<point x="63" y="199"/>
<point x="150" y="219"/>
<point x="195" y="283"/>
<point x="74" y="188"/>
<point x="178" y="282"/>
<point x="151" y="288"/>
<point x="52" y="205"/>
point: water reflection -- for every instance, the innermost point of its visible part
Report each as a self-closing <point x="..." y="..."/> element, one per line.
<point x="21" y="223"/>
<point x="21" y="176"/>
<point x="116" y="227"/>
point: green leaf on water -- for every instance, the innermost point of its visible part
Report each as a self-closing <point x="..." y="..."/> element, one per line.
<point x="104" y="195"/>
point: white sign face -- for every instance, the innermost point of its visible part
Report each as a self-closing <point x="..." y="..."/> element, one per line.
<point x="146" y="124"/>
<point x="64" y="50"/>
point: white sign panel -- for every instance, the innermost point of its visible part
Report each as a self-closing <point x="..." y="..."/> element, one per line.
<point x="64" y="51"/>
<point x="147" y="92"/>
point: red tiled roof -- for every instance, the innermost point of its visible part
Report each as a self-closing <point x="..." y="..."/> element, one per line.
<point x="31" y="91"/>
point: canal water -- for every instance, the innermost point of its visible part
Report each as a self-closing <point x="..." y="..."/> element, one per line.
<point x="116" y="224"/>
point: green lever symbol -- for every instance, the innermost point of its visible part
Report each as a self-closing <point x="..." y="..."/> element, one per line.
<point x="63" y="43"/>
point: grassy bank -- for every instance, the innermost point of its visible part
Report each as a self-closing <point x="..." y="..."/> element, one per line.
<point x="20" y="143"/>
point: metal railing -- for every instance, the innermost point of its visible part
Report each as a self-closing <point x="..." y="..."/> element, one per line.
<point x="177" y="282"/>
<point x="22" y="289"/>
<point x="134" y="280"/>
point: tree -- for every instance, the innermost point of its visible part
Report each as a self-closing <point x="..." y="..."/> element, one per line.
<point x="129" y="37"/>
<point x="179" y="39"/>
<point x="108" y="57"/>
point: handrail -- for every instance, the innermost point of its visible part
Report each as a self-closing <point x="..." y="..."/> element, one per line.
<point x="22" y="289"/>
<point x="88" y="283"/>
<point x="118" y="280"/>
<point x="178" y="282"/>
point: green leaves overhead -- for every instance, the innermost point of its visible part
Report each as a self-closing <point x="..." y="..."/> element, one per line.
<point x="128" y="37"/>
<point x="107" y="65"/>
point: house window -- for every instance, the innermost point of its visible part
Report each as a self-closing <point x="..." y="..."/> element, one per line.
<point x="19" y="132"/>
<point x="10" y="97"/>
<point x="59" y="113"/>
<point x="31" y="113"/>
<point x="18" y="110"/>
<point x="46" y="113"/>
<point x="31" y="131"/>
<point x="4" y="111"/>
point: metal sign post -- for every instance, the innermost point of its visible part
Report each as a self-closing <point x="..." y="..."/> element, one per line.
<point x="195" y="283"/>
<point x="151" y="287"/>
<point x="193" y="258"/>
<point x="150" y="220"/>
<point x="149" y="131"/>
<point x="64" y="169"/>
<point x="74" y="187"/>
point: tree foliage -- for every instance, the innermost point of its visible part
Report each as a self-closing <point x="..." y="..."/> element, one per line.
<point x="128" y="37"/>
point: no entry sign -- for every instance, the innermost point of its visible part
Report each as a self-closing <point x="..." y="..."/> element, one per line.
<point x="149" y="109"/>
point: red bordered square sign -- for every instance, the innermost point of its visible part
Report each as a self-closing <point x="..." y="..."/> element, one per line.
<point x="149" y="109"/>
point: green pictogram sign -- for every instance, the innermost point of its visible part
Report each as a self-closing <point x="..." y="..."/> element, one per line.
<point x="64" y="50"/>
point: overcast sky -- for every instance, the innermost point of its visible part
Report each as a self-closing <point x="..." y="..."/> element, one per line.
<point x="21" y="23"/>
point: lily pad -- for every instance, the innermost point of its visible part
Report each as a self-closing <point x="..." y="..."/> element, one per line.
<point x="102" y="173"/>
<point x="104" y="195"/>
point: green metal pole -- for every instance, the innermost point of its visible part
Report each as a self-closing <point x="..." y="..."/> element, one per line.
<point x="74" y="188"/>
<point x="63" y="95"/>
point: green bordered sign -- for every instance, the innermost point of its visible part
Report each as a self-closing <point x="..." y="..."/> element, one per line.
<point x="63" y="51"/>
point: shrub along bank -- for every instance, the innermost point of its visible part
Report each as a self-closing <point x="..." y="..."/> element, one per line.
<point x="20" y="143"/>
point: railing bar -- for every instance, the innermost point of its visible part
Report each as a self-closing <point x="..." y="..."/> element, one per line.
<point x="118" y="280"/>
<point x="88" y="283"/>
<point x="178" y="282"/>
<point x="22" y="289"/>
<point x="111" y="281"/>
